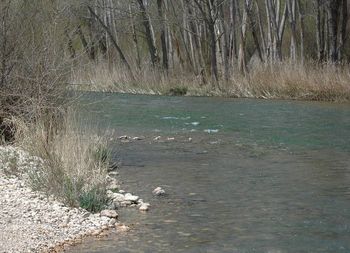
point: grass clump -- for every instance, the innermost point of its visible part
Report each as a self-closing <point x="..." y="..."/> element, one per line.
<point x="94" y="199"/>
<point x="75" y="163"/>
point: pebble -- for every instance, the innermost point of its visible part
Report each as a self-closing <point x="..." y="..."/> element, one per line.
<point x="32" y="221"/>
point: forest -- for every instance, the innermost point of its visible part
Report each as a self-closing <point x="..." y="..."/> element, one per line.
<point x="252" y="48"/>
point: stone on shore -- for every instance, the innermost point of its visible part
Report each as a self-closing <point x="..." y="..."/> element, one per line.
<point x="109" y="214"/>
<point x="118" y="197"/>
<point x="130" y="197"/>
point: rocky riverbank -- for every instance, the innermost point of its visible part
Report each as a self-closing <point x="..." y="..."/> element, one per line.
<point x="33" y="222"/>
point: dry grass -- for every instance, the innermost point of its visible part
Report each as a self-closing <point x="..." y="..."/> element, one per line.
<point x="75" y="162"/>
<point x="280" y="81"/>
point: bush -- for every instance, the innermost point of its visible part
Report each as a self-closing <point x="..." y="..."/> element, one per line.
<point x="177" y="91"/>
<point x="33" y="74"/>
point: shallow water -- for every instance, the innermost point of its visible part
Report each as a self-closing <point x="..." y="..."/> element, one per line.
<point x="257" y="176"/>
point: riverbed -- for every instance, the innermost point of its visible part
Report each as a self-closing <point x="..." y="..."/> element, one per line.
<point x="241" y="175"/>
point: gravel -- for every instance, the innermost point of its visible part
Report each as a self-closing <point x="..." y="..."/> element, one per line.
<point x="33" y="222"/>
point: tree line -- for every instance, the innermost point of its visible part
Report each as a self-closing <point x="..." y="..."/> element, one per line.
<point x="213" y="39"/>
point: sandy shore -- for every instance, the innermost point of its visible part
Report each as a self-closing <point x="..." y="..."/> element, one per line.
<point x="32" y="222"/>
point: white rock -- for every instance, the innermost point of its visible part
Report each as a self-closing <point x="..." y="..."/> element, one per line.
<point x="118" y="197"/>
<point x="158" y="191"/>
<point x="113" y="173"/>
<point x="130" y="197"/>
<point x="113" y="186"/>
<point x="109" y="214"/>
<point x="144" y="207"/>
<point x="125" y="203"/>
<point x="112" y="222"/>
<point x="122" y="228"/>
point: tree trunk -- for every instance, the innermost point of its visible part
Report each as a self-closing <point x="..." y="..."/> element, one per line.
<point x="146" y="21"/>
<point x="302" y="31"/>
<point x="135" y="39"/>
<point x="252" y="23"/>
<point x="226" y="43"/>
<point x="292" y="21"/>
<point x="333" y="15"/>
<point x="163" y="34"/>
<point x="114" y="42"/>
<point x="344" y="24"/>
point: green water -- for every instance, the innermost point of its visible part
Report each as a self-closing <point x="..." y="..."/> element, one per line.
<point x="257" y="176"/>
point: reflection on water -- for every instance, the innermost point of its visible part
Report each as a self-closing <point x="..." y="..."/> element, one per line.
<point x="274" y="178"/>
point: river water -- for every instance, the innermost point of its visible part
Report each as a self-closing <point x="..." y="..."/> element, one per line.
<point x="241" y="175"/>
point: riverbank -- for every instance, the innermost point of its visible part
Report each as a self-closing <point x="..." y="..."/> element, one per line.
<point x="33" y="221"/>
<point x="310" y="81"/>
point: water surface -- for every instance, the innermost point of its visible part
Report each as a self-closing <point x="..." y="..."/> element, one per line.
<point x="240" y="175"/>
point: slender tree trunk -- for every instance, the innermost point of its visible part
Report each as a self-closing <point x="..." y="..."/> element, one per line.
<point x="343" y="36"/>
<point x="161" y="15"/>
<point x="333" y="15"/>
<point x="242" y="65"/>
<point x="70" y="44"/>
<point x="302" y="31"/>
<point x="114" y="42"/>
<point x="262" y="32"/>
<point x="233" y="31"/>
<point x="292" y="21"/>
<point x="252" y="22"/>
<point x="135" y="39"/>
<point x="226" y="43"/>
<point x="146" y="21"/>
<point x="84" y="43"/>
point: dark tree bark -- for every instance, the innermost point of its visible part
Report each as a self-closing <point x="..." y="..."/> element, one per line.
<point x="160" y="4"/>
<point x="343" y="37"/>
<point x="333" y="18"/>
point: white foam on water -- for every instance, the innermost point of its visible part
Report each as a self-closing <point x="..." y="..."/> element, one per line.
<point x="211" y="131"/>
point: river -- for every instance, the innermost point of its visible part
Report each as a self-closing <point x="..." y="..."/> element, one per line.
<point x="241" y="175"/>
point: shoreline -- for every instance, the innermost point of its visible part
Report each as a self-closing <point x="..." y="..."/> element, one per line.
<point x="31" y="221"/>
<point x="312" y="97"/>
<point x="227" y="96"/>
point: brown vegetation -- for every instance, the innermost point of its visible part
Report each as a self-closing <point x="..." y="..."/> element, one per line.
<point x="34" y="105"/>
<point x="279" y="81"/>
<point x="268" y="49"/>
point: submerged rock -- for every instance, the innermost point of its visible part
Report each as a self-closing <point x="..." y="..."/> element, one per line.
<point x="157" y="138"/>
<point x="144" y="207"/>
<point x="158" y="191"/>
